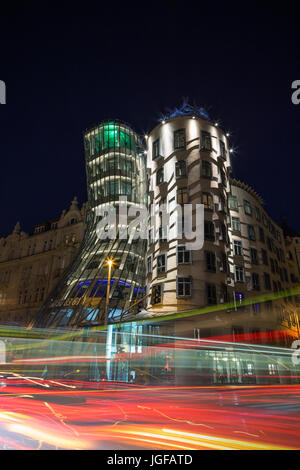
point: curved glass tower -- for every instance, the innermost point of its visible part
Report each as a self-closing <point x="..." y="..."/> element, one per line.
<point x="94" y="290"/>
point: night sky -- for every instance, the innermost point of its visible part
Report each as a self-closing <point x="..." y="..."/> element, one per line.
<point x="68" y="67"/>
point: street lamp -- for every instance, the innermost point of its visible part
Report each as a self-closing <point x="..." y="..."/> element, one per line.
<point x="109" y="263"/>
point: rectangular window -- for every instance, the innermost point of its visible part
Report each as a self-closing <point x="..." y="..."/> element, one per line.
<point x="209" y="230"/>
<point x="126" y="188"/>
<point x="257" y="213"/>
<point x="210" y="261"/>
<point x="224" y="266"/>
<point x="161" y="263"/>
<point x="222" y="149"/>
<point x="269" y="244"/>
<point x="222" y="177"/>
<point x="155" y="149"/>
<point x="182" y="196"/>
<point x="223" y="293"/>
<point x="235" y="223"/>
<point x="233" y="203"/>
<point x="239" y="274"/>
<point x="255" y="281"/>
<point x="207" y="201"/>
<point x="211" y="294"/>
<point x="237" y="248"/>
<point x="261" y="235"/>
<point x="157" y="291"/>
<point x="206" y="169"/>
<point x="184" y="286"/>
<point x="163" y="234"/>
<point x="264" y="256"/>
<point x="253" y="256"/>
<point x="265" y="221"/>
<point x="205" y="141"/>
<point x="223" y="233"/>
<point x="179" y="139"/>
<point x="113" y="187"/>
<point x="251" y="232"/>
<point x="149" y="264"/>
<point x="180" y="169"/>
<point x="272" y="265"/>
<point x="160" y="176"/>
<point x="151" y="236"/>
<point x="184" y="256"/>
<point x="247" y="208"/>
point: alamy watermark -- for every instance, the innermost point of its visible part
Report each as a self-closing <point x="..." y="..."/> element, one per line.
<point x="2" y="92"/>
<point x="162" y="223"/>
<point x="296" y="94"/>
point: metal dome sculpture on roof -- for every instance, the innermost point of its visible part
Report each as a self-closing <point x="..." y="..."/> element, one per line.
<point x="185" y="109"/>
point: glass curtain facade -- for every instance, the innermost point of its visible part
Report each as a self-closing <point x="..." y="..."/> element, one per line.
<point x="115" y="167"/>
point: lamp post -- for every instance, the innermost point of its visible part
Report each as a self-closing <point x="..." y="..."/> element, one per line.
<point x="109" y="264"/>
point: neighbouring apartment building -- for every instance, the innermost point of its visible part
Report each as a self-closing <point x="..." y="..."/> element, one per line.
<point x="31" y="264"/>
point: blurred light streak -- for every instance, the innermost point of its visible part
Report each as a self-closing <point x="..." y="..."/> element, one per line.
<point x="240" y="444"/>
<point x="52" y="439"/>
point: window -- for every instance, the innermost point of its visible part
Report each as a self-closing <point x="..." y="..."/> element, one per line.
<point x="224" y="264"/>
<point x="155" y="149"/>
<point x="269" y="243"/>
<point x="210" y="261"/>
<point x="112" y="165"/>
<point x="264" y="256"/>
<point x="221" y="207"/>
<point x="184" y="256"/>
<point x="222" y="177"/>
<point x="253" y="256"/>
<point x="149" y="264"/>
<point x="163" y="234"/>
<point x="209" y="230"/>
<point x="113" y="187"/>
<point x="223" y="293"/>
<point x="161" y="263"/>
<point x="207" y="201"/>
<point x="205" y="141"/>
<point x="180" y="169"/>
<point x="211" y="294"/>
<point x="184" y="286"/>
<point x="206" y="169"/>
<point x="272" y="265"/>
<point x="126" y="188"/>
<point x="151" y="236"/>
<point x="223" y="233"/>
<point x="247" y="208"/>
<point x="157" y="291"/>
<point x="236" y="225"/>
<point x="278" y="237"/>
<point x="233" y="203"/>
<point x="237" y="248"/>
<point x="265" y="221"/>
<point x="182" y="196"/>
<point x="179" y="139"/>
<point x="261" y="235"/>
<point x="257" y="213"/>
<point x="251" y="232"/>
<point x="255" y="281"/>
<point x="160" y="176"/>
<point x="222" y="149"/>
<point x="239" y="273"/>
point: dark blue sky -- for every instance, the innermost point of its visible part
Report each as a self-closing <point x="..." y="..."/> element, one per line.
<point x="67" y="68"/>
